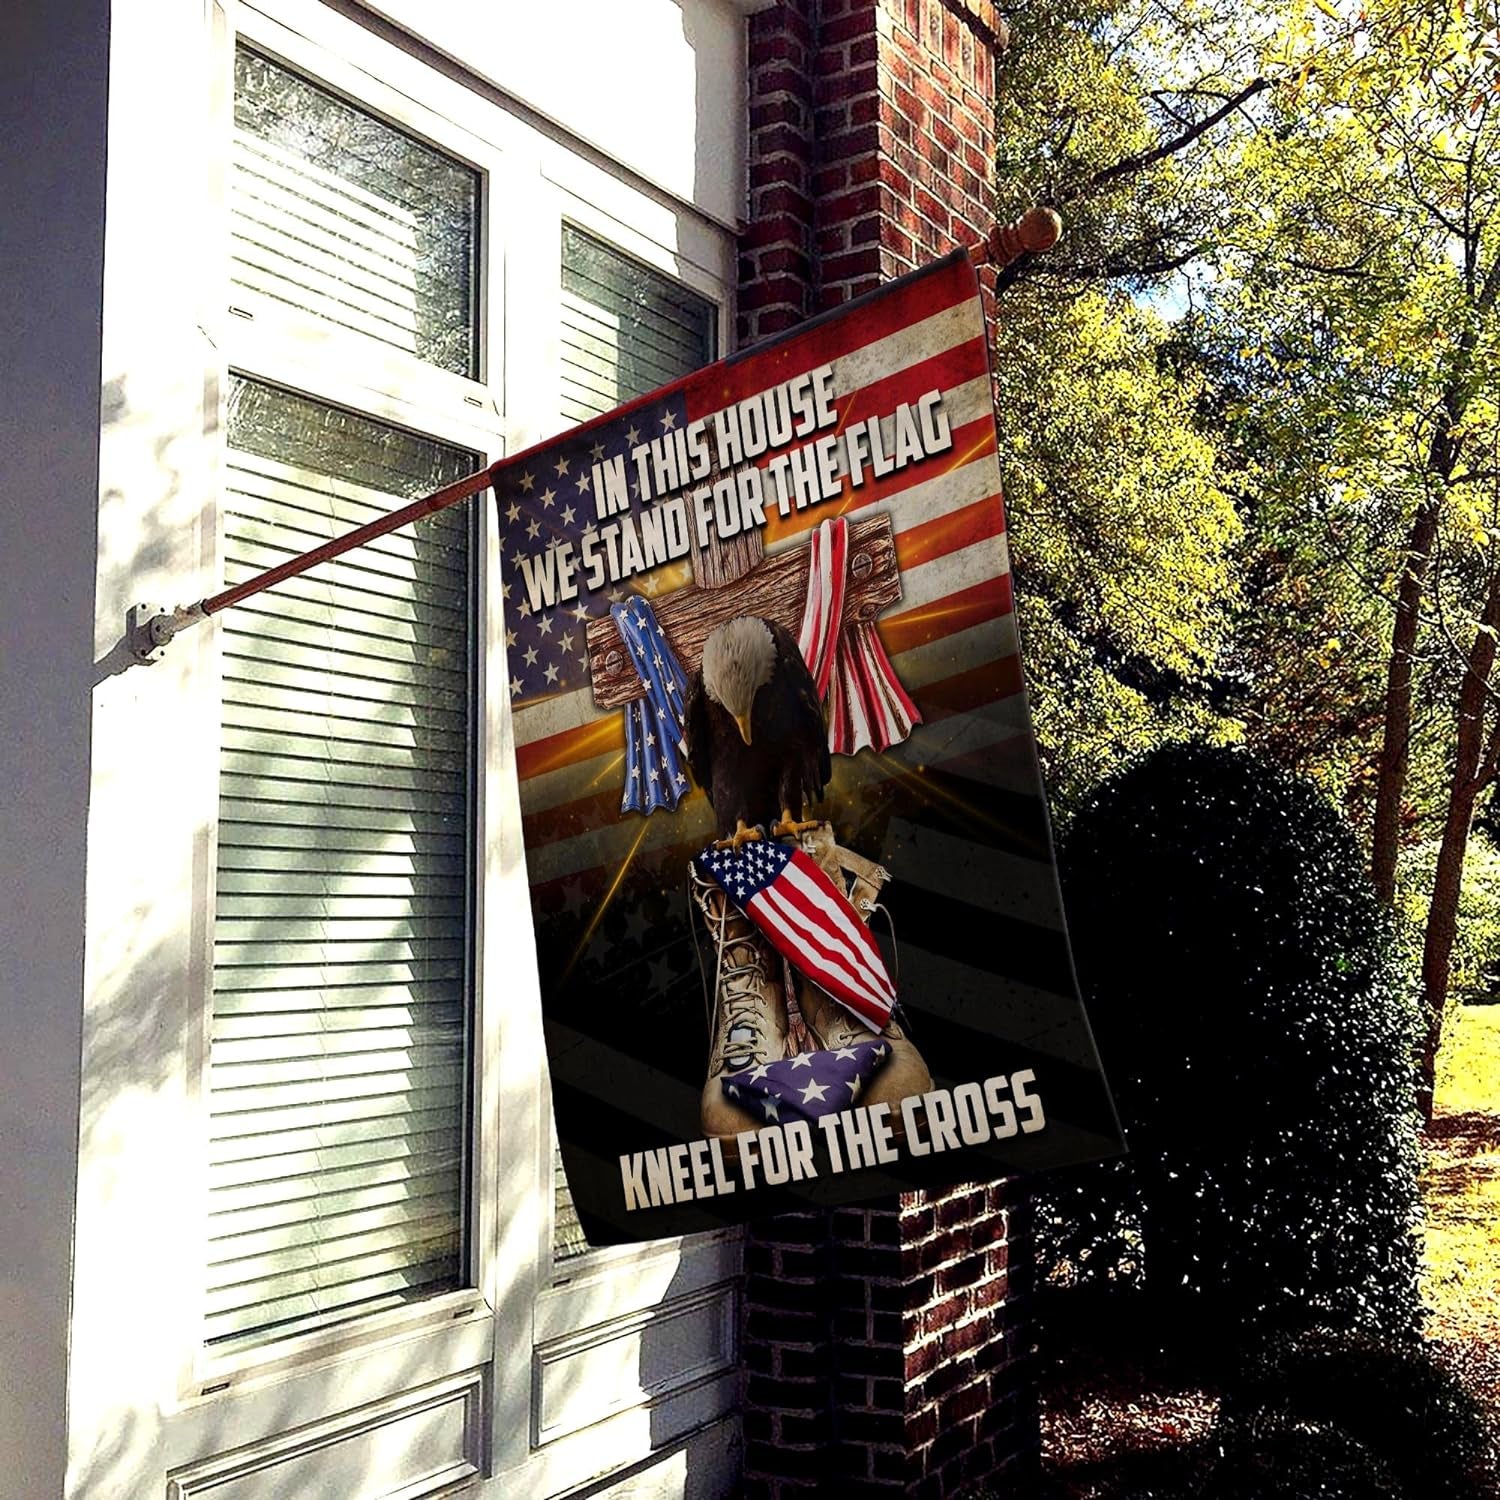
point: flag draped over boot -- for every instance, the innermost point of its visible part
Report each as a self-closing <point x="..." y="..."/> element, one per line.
<point x="808" y="920"/>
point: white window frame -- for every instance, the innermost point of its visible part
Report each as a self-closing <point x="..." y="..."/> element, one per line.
<point x="600" y="1287"/>
<point x="523" y="1313"/>
<point x="277" y="345"/>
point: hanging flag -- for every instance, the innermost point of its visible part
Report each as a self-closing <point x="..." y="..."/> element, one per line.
<point x="866" y="703"/>
<point x="663" y="983"/>
<point x="655" y="763"/>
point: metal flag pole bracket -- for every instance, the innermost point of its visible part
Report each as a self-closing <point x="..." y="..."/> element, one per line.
<point x="150" y="628"/>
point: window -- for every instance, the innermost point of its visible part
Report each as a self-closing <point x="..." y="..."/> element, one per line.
<point x="319" y="1166"/>
<point x="339" y="1043"/>
<point x="338" y="215"/>
<point x="626" y="330"/>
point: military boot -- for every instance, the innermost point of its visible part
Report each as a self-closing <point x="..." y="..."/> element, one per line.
<point x="830" y="1023"/>
<point x="748" y="1014"/>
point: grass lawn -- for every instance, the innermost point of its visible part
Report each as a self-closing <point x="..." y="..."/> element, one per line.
<point x="1461" y="1193"/>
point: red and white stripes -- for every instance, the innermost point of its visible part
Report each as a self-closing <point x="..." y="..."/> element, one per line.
<point x="867" y="704"/>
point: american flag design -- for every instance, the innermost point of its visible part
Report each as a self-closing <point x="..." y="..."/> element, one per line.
<point x="809" y="922"/>
<point x="655" y="757"/>
<point x="954" y="811"/>
<point x="808" y="1086"/>
<point x="866" y="703"/>
<point x="546" y="499"/>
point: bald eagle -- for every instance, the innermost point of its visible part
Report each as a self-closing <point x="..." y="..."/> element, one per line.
<point x="756" y="741"/>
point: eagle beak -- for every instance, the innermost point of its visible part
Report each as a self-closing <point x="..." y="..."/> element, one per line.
<point x="743" y="720"/>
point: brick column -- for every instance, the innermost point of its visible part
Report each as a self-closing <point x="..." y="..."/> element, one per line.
<point x="776" y="269"/>
<point x="887" y="1347"/>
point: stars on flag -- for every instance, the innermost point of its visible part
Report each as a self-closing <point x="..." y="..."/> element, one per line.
<point x="809" y="1085"/>
<point x="537" y="510"/>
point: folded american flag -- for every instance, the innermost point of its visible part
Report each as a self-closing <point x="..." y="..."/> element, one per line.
<point x="809" y="1085"/>
<point x="808" y="920"/>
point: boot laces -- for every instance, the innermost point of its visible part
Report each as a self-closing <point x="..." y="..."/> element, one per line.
<point x="739" y="983"/>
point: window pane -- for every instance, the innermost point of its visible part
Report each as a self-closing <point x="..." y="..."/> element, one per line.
<point x="340" y="215"/>
<point x="626" y="330"/>
<point x="340" y="1035"/>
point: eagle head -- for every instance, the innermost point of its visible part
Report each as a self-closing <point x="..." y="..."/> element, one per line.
<point x="738" y="660"/>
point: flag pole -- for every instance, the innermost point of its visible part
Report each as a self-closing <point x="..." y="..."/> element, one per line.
<point x="150" y="629"/>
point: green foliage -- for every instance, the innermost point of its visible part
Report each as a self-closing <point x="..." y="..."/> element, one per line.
<point x="1123" y="540"/>
<point x="1382" y="1412"/>
<point x="1328" y="252"/>
<point x="1476" y="953"/>
<point x="1275" y="1455"/>
<point x="1238" y="977"/>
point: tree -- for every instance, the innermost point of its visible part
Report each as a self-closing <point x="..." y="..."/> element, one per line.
<point x="1299" y="198"/>
<point x="1123" y="541"/>
<point x="1124" y="538"/>
<point x="1378" y="261"/>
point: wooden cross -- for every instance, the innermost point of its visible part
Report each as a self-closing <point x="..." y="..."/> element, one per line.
<point x="735" y="579"/>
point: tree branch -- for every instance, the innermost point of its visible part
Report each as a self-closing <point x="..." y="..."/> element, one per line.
<point x="1138" y="161"/>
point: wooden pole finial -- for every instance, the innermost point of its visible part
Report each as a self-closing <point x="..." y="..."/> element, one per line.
<point x="1037" y="230"/>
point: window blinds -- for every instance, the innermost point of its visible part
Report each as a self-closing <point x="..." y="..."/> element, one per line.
<point x="339" y="1043"/>
<point x="625" y="328"/>
<point x="625" y="331"/>
<point x="338" y="215"/>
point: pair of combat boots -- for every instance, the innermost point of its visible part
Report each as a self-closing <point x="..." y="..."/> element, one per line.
<point x="761" y="1011"/>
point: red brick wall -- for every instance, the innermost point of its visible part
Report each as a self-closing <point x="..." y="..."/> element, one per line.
<point x="871" y="148"/>
<point x="886" y="1348"/>
<point x="776" y="248"/>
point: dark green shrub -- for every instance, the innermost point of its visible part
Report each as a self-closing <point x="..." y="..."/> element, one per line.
<point x="1238" y="976"/>
<point x="1273" y="1455"/>
<point x="1395" y="1400"/>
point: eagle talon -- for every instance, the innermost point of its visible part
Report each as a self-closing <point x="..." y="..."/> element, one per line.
<point x="790" y="826"/>
<point x="741" y="835"/>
